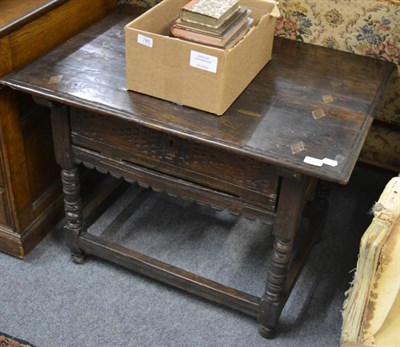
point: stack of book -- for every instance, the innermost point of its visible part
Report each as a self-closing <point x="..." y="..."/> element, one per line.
<point x="219" y="23"/>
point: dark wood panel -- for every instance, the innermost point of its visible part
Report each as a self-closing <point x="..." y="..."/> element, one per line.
<point x="4" y="214"/>
<point x="5" y="55"/>
<point x="15" y="161"/>
<point x="246" y="178"/>
<point x="10" y="242"/>
<point x="1" y="171"/>
<point x="42" y="169"/>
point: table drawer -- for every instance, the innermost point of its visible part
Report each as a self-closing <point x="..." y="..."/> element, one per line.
<point x="246" y="178"/>
<point x="4" y="215"/>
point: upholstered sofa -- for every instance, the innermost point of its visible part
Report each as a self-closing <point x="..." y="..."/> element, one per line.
<point x="365" y="27"/>
<point x="371" y="312"/>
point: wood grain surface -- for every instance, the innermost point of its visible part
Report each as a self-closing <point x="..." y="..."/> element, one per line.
<point x="308" y="101"/>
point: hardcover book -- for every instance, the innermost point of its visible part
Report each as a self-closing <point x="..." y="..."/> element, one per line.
<point x="209" y="12"/>
<point x="205" y="29"/>
<point x="228" y="40"/>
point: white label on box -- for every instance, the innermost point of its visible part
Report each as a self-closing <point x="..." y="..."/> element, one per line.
<point x="144" y="40"/>
<point x="203" y="61"/>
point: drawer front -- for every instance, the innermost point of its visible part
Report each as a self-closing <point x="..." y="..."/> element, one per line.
<point x="246" y="178"/>
<point x="4" y="216"/>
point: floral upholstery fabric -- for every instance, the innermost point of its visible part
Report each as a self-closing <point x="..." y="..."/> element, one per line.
<point x="364" y="27"/>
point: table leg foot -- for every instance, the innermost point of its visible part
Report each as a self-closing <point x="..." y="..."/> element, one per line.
<point x="275" y="291"/>
<point x="78" y="257"/>
<point x="267" y="332"/>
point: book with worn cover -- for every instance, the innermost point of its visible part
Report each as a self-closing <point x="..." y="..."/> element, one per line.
<point x="239" y="34"/>
<point x="205" y="29"/>
<point x="209" y="12"/>
<point x="228" y="40"/>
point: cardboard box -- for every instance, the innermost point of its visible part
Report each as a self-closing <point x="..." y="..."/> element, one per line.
<point x="192" y="74"/>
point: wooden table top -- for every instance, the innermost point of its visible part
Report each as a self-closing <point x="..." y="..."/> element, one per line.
<point x="307" y="101"/>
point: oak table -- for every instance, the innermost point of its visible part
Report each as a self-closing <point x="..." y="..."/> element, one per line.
<point x="300" y="123"/>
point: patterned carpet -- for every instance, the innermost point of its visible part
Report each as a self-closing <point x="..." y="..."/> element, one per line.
<point x="9" y="341"/>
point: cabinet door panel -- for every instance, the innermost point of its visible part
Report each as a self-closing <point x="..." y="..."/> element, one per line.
<point x="4" y="218"/>
<point x="1" y="172"/>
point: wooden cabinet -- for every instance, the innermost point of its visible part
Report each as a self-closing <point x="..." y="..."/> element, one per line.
<point x="1" y="172"/>
<point x="4" y="218"/>
<point x="30" y="191"/>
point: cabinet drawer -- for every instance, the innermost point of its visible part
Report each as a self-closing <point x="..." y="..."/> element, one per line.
<point x="120" y="139"/>
<point x="4" y="216"/>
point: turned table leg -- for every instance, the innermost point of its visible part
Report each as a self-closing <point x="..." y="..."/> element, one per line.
<point x="69" y="178"/>
<point x="291" y="200"/>
<point x="73" y="212"/>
